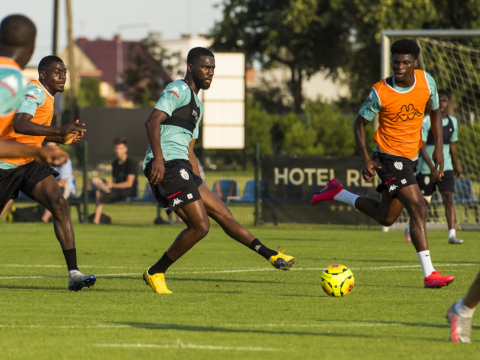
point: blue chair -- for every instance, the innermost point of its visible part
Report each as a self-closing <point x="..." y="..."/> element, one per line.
<point x="464" y="195"/>
<point x="463" y="191"/>
<point x="226" y="189"/>
<point x="133" y="198"/>
<point x="147" y="195"/>
<point x="249" y="192"/>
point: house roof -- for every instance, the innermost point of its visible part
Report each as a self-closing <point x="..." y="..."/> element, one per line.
<point x="105" y="54"/>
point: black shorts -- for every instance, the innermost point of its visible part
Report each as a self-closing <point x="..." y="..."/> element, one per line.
<point x="23" y="178"/>
<point x="428" y="186"/>
<point x="396" y="173"/>
<point x="116" y="194"/>
<point x="178" y="187"/>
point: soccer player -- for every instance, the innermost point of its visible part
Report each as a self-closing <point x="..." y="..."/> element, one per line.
<point x="459" y="316"/>
<point x="172" y="170"/>
<point x="400" y="102"/>
<point x="31" y="126"/>
<point x="17" y="43"/>
<point x="428" y="177"/>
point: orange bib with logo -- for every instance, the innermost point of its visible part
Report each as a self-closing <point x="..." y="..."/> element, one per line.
<point x="401" y="117"/>
<point x="43" y="116"/>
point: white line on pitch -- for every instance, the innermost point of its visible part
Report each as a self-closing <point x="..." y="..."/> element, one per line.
<point x="180" y="345"/>
<point x="242" y="271"/>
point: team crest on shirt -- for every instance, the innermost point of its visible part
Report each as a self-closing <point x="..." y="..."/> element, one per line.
<point x="194" y="113"/>
<point x="184" y="174"/>
<point x="398" y="165"/>
<point x="407" y="113"/>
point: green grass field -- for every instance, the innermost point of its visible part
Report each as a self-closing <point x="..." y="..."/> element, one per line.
<point x="228" y="302"/>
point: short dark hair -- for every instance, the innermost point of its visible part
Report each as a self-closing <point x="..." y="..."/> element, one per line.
<point x="444" y="92"/>
<point x="47" y="61"/>
<point x="120" y="141"/>
<point x="195" y="53"/>
<point x="405" y="46"/>
<point x="17" y="30"/>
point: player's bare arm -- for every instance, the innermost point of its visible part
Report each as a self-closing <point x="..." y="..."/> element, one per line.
<point x="431" y="165"/>
<point x="456" y="164"/>
<point x="153" y="123"/>
<point x="193" y="158"/>
<point x="369" y="166"/>
<point x="23" y="125"/>
<point x="437" y="129"/>
<point x="42" y="155"/>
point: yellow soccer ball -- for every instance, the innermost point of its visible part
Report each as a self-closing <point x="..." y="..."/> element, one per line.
<point x="337" y="280"/>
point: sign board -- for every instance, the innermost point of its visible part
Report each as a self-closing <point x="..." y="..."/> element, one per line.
<point x="290" y="182"/>
<point x="224" y="104"/>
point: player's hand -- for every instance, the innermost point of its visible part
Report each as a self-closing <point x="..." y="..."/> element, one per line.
<point x="158" y="169"/>
<point x="73" y="132"/>
<point x="437" y="158"/>
<point x="435" y="175"/>
<point x="54" y="157"/>
<point x="109" y="183"/>
<point x="458" y="173"/>
<point x="369" y="169"/>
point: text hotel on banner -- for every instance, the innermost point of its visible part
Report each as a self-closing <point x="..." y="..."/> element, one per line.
<point x="289" y="183"/>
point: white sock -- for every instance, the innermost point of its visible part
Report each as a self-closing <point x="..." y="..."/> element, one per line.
<point x="347" y="197"/>
<point x="463" y="310"/>
<point x="74" y="272"/>
<point x="451" y="233"/>
<point x="426" y="262"/>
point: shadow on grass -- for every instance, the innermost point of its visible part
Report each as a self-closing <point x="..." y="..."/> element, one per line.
<point x="218" y="329"/>
<point x="393" y="323"/>
<point x="225" y="280"/>
<point x="342" y="334"/>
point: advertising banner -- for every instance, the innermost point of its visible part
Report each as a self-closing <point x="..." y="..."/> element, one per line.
<point x="289" y="183"/>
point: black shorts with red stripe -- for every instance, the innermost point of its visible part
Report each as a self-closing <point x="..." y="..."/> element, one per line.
<point x="178" y="187"/>
<point x="396" y="173"/>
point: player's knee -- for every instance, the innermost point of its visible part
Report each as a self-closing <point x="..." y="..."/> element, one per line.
<point x="387" y="221"/>
<point x="447" y="199"/>
<point x="418" y="210"/>
<point x="202" y="228"/>
<point x="59" y="205"/>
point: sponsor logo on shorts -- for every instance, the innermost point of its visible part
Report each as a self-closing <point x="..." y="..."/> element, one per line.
<point x="184" y="174"/>
<point x="189" y="196"/>
<point x="177" y="201"/>
<point x="398" y="165"/>
<point x="392" y="187"/>
<point x="404" y="181"/>
<point x="426" y="180"/>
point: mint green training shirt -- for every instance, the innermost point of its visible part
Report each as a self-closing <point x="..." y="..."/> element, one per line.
<point x="447" y="165"/>
<point x="372" y="105"/>
<point x="12" y="88"/>
<point x="175" y="140"/>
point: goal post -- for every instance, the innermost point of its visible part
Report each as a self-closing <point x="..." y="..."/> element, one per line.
<point x="452" y="57"/>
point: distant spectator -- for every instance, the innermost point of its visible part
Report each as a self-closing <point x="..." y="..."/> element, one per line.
<point x="65" y="179"/>
<point x="123" y="183"/>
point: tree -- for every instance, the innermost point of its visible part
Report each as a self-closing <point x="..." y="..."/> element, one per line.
<point x="302" y="34"/>
<point x="89" y="93"/>
<point x="145" y="76"/>
<point x="310" y="35"/>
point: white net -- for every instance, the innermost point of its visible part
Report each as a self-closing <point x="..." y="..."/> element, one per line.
<point x="455" y="66"/>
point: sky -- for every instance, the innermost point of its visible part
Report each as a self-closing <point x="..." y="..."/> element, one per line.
<point x="133" y="19"/>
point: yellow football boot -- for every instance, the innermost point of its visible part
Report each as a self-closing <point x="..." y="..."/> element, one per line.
<point x="281" y="261"/>
<point x="156" y="282"/>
